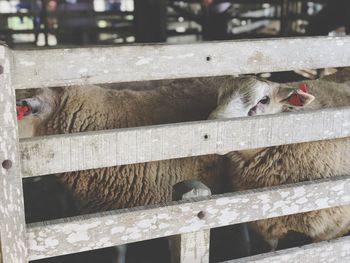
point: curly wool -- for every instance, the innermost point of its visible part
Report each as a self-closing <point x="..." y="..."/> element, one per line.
<point x="295" y="163"/>
<point x="91" y="108"/>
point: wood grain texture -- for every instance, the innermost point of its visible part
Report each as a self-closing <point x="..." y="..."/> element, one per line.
<point x="95" y="231"/>
<point x="62" y="153"/>
<point x="190" y="247"/>
<point x="12" y="227"/>
<point x="337" y="250"/>
<point x="60" y="67"/>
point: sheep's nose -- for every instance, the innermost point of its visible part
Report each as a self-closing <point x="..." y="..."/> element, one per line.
<point x="252" y="111"/>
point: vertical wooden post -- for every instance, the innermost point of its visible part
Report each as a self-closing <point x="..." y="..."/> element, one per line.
<point x="12" y="223"/>
<point x="191" y="247"/>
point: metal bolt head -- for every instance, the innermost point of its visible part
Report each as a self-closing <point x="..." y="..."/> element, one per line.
<point x="201" y="215"/>
<point x="7" y="164"/>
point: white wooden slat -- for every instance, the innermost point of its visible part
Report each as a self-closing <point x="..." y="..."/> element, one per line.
<point x="12" y="225"/>
<point x="337" y="250"/>
<point x="62" y="153"/>
<point x="95" y="231"/>
<point x="59" y="67"/>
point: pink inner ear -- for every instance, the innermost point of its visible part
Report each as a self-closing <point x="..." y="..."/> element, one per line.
<point x="21" y="110"/>
<point x="303" y="87"/>
<point x="295" y="100"/>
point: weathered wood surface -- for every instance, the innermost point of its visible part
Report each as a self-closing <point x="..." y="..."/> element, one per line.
<point x="12" y="225"/>
<point x="62" y="153"/>
<point x="59" y="67"/>
<point x="337" y="250"/>
<point x="190" y="247"/>
<point x="95" y="231"/>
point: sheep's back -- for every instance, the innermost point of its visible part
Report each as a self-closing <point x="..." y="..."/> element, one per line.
<point x="91" y="108"/>
<point x="290" y="163"/>
<point x="141" y="184"/>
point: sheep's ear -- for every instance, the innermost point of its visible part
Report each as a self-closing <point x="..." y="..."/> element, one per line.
<point x="26" y="93"/>
<point x="228" y="84"/>
<point x="294" y="97"/>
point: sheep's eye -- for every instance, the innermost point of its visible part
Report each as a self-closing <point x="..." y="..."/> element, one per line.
<point x="265" y="100"/>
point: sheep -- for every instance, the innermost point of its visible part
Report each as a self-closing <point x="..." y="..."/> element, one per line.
<point x="90" y="108"/>
<point x="86" y="108"/>
<point x="249" y="96"/>
<point x="340" y="76"/>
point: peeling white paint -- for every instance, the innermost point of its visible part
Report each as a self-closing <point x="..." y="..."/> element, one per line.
<point x="82" y="70"/>
<point x="27" y="63"/>
<point x="118" y="229"/>
<point x="302" y="200"/>
<point x="299" y="192"/>
<point x="146" y="223"/>
<point x="223" y="201"/>
<point x="167" y="57"/>
<point x="163" y="216"/>
<point x="189" y="55"/>
<point x="51" y="242"/>
<point x="143" y="61"/>
<point x="322" y="202"/>
<point x="185" y="209"/>
<point x="163" y="226"/>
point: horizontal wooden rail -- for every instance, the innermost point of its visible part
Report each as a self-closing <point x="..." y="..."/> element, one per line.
<point x="35" y="69"/>
<point x="81" y="151"/>
<point x="77" y="234"/>
<point x="337" y="250"/>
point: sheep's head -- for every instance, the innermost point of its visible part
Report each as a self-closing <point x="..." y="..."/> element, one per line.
<point x="250" y="96"/>
<point x="39" y="105"/>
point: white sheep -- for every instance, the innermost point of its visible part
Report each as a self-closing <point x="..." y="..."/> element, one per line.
<point x="91" y="108"/>
<point x="248" y="96"/>
<point x="86" y="108"/>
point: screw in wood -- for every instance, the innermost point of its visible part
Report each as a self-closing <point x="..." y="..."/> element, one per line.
<point x="201" y="215"/>
<point x="7" y="164"/>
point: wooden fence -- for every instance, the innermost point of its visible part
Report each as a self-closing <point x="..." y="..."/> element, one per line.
<point x="60" y="153"/>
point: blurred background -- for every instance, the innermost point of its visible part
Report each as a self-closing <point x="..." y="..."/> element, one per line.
<point x="52" y="23"/>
